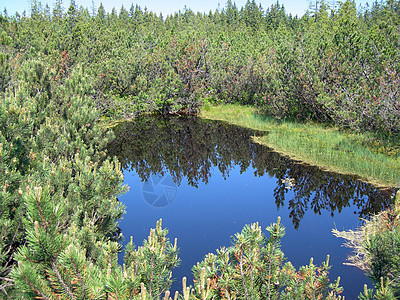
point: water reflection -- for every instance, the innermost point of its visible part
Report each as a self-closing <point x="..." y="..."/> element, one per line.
<point x="190" y="148"/>
<point x="159" y="190"/>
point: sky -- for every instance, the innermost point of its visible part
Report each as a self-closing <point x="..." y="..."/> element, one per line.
<point x="295" y="7"/>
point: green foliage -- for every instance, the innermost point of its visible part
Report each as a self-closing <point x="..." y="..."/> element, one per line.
<point x="376" y="245"/>
<point x="334" y="65"/>
<point x="52" y="262"/>
<point x="152" y="263"/>
<point x="55" y="262"/>
<point x="49" y="137"/>
<point x="253" y="269"/>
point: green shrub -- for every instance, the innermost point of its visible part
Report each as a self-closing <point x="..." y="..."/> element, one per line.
<point x="252" y="268"/>
<point x="376" y="247"/>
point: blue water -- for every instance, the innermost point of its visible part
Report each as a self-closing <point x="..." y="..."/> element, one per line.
<point x="206" y="192"/>
<point x="204" y="218"/>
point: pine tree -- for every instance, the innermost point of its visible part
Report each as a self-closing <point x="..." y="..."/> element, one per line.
<point x="252" y="14"/>
<point x="231" y="13"/>
<point x="275" y="15"/>
<point x="72" y="14"/>
<point x="253" y="269"/>
<point x="54" y="264"/>
<point x="101" y="13"/>
<point x="314" y="7"/>
<point x="123" y="14"/>
<point x="58" y="9"/>
<point x="36" y="9"/>
<point x="93" y="9"/>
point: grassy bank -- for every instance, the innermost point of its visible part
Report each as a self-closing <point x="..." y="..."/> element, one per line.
<point x="315" y="144"/>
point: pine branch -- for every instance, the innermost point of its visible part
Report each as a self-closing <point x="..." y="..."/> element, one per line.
<point x="61" y="281"/>
<point x="79" y="276"/>
<point x="33" y="287"/>
<point x="242" y="275"/>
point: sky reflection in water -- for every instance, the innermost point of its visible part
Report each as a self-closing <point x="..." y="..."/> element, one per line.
<point x="206" y="180"/>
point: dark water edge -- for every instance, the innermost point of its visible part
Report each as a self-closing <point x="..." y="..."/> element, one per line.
<point x="207" y="179"/>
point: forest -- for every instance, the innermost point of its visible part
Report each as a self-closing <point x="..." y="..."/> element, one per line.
<point x="66" y="70"/>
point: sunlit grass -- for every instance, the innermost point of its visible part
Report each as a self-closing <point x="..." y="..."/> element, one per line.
<point x="316" y="144"/>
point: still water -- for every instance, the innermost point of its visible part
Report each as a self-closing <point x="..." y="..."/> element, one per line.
<point x="207" y="179"/>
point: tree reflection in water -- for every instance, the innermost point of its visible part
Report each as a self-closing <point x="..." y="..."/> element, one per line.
<point x="191" y="147"/>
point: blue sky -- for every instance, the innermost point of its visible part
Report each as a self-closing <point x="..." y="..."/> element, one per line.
<point x="295" y="7"/>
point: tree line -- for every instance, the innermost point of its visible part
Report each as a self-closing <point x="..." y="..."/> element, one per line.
<point x="336" y="64"/>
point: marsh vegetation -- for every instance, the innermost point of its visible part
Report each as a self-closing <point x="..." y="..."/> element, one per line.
<point x="325" y="146"/>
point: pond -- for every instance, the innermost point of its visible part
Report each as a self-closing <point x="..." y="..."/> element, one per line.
<point x="207" y="179"/>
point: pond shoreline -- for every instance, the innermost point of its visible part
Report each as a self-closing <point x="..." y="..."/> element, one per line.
<point x="314" y="144"/>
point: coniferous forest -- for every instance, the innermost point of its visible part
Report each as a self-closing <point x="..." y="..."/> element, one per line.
<point x="65" y="69"/>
